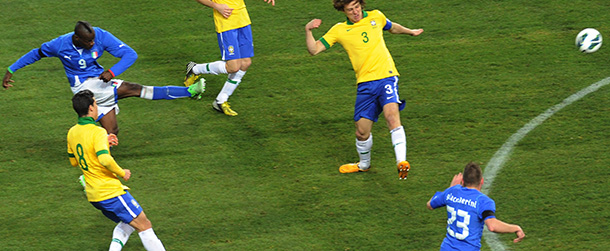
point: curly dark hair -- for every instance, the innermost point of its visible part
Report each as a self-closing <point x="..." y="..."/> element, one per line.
<point x="340" y="4"/>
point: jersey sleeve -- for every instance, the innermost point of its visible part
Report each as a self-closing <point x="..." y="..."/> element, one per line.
<point x="331" y="37"/>
<point x="118" y="49"/>
<point x="103" y="154"/>
<point x="25" y="60"/>
<point x="438" y="200"/>
<point x="70" y="151"/>
<point x="487" y="204"/>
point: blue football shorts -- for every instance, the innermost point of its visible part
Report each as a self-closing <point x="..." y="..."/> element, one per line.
<point x="373" y="95"/>
<point x="236" y="43"/>
<point x="121" y="208"/>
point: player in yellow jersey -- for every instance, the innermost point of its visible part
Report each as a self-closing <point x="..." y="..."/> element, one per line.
<point x="361" y="35"/>
<point x="235" y="41"/>
<point x="88" y="149"/>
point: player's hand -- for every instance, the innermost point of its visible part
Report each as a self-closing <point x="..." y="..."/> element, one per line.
<point x="106" y="76"/>
<point x="313" y="24"/>
<point x="113" y="140"/>
<point x="127" y="174"/>
<point x="457" y="179"/>
<point x="270" y="1"/>
<point x="416" y="32"/>
<point x="6" y="81"/>
<point x="224" y="10"/>
<point x="520" y="235"/>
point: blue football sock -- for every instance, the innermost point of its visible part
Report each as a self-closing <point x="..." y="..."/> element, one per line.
<point x="170" y="92"/>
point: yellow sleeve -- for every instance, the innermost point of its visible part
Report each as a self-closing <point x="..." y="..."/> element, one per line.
<point x="71" y="156"/>
<point x="108" y="161"/>
<point x="103" y="154"/>
<point x="330" y="38"/>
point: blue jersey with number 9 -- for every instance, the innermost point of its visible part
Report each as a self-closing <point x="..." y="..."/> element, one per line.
<point x="465" y="222"/>
<point x="80" y="63"/>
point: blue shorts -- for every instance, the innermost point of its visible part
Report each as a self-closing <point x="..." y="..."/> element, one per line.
<point x="373" y="95"/>
<point x="121" y="208"/>
<point x="236" y="44"/>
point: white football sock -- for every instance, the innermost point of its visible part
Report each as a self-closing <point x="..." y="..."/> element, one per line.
<point x="230" y="86"/>
<point x="399" y="141"/>
<point x="364" y="152"/>
<point x="150" y="240"/>
<point x="120" y="235"/>
<point x="211" y="68"/>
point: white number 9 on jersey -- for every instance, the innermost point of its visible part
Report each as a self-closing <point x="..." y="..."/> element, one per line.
<point x="82" y="63"/>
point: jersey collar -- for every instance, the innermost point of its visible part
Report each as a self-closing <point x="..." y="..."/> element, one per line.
<point x="86" y="120"/>
<point x="364" y="15"/>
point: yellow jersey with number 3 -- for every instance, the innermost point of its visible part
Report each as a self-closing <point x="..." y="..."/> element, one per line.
<point x="365" y="46"/>
<point x="87" y="141"/>
<point x="238" y="18"/>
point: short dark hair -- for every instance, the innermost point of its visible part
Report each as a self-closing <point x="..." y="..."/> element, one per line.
<point x="472" y="174"/>
<point x="83" y="26"/>
<point x="340" y="4"/>
<point x="81" y="102"/>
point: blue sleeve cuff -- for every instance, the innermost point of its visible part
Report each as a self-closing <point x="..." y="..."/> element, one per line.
<point x="388" y="25"/>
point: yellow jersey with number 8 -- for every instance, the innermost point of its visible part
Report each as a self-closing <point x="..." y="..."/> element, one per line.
<point x="87" y="141"/>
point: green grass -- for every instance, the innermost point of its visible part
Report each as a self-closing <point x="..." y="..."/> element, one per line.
<point x="268" y="178"/>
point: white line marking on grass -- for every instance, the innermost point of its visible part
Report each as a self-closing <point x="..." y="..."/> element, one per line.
<point x="501" y="156"/>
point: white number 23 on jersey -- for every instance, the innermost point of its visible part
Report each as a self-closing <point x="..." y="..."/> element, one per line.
<point x="460" y="224"/>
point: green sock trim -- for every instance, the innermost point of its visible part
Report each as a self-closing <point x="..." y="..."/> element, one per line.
<point x="232" y="81"/>
<point x="207" y="67"/>
<point x="9" y="70"/>
<point x="117" y="241"/>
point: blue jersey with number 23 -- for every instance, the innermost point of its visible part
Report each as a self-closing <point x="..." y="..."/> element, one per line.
<point x="465" y="222"/>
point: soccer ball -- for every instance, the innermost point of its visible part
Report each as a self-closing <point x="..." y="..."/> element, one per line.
<point x="589" y="40"/>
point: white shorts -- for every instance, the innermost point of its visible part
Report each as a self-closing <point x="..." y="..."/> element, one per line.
<point x="105" y="94"/>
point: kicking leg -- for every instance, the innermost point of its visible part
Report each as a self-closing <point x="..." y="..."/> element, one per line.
<point x="108" y="122"/>
<point x="128" y="89"/>
<point x="399" y="139"/>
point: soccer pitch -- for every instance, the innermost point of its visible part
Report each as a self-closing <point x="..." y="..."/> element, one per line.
<point x="268" y="178"/>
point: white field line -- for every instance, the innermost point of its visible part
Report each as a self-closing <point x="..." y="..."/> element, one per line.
<point x="496" y="163"/>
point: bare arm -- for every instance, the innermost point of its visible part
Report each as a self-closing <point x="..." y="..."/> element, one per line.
<point x="6" y="81"/>
<point x="399" y="29"/>
<point x="223" y="9"/>
<point x="498" y="226"/>
<point x="314" y="47"/>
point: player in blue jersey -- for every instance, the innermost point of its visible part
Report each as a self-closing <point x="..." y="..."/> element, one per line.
<point x="468" y="210"/>
<point x="79" y="51"/>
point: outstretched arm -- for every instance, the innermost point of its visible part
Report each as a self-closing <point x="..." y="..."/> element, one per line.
<point x="498" y="226"/>
<point x="399" y="29"/>
<point x="27" y="59"/>
<point x="314" y="47"/>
